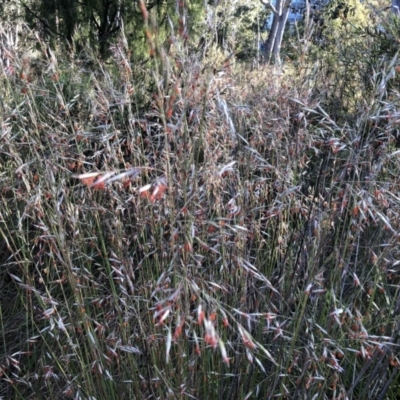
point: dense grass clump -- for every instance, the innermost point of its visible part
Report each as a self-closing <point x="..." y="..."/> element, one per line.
<point x="193" y="229"/>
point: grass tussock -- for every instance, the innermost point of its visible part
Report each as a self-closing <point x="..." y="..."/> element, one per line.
<point x="192" y="230"/>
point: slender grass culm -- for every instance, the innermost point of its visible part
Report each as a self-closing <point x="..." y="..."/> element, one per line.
<point x="192" y="227"/>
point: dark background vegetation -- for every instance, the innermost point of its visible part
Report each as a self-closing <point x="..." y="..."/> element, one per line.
<point x="181" y="219"/>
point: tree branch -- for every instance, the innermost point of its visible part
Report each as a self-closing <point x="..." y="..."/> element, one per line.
<point x="40" y="19"/>
<point x="268" y="4"/>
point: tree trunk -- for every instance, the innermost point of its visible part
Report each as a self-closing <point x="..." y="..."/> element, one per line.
<point x="269" y="43"/>
<point x="281" y="29"/>
<point x="396" y="6"/>
<point x="274" y="40"/>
